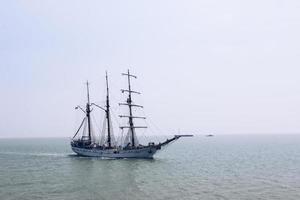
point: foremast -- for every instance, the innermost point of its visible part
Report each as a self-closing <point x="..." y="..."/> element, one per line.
<point x="130" y="104"/>
<point x="87" y="117"/>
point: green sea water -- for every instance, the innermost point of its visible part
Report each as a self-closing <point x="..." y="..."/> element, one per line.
<point x="221" y="167"/>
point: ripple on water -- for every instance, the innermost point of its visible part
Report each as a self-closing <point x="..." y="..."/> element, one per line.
<point x="222" y="167"/>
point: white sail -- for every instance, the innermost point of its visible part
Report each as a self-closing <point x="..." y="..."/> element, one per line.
<point x="128" y="139"/>
<point x="93" y="137"/>
<point x="112" y="136"/>
<point x="84" y="131"/>
<point x="103" y="132"/>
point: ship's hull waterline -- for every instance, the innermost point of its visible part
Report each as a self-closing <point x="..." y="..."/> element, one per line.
<point x="146" y="152"/>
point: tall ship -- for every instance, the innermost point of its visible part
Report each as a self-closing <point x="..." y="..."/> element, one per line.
<point x="106" y="145"/>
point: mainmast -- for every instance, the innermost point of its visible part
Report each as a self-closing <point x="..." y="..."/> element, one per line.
<point x="108" y="114"/>
<point x="88" y="110"/>
<point x="130" y="105"/>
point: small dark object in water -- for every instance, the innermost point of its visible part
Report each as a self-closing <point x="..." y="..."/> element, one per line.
<point x="209" y="135"/>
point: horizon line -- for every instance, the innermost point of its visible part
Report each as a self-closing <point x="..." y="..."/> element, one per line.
<point x="53" y="137"/>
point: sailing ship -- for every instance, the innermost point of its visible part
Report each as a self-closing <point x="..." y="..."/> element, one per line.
<point x="106" y="146"/>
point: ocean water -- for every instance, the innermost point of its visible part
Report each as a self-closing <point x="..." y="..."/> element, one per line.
<point x="221" y="167"/>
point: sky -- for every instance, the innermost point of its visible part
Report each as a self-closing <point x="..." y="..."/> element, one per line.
<point x="221" y="67"/>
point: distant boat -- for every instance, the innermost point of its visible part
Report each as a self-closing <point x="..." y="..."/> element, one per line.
<point x="209" y="135"/>
<point x="106" y="146"/>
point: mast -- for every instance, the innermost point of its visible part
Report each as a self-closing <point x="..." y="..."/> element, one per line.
<point x="107" y="113"/>
<point x="129" y="101"/>
<point x="88" y="110"/>
<point x="130" y="105"/>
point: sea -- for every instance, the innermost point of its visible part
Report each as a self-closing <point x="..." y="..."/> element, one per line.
<point x="231" y="167"/>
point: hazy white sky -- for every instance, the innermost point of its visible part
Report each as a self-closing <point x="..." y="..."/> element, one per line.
<point x="203" y="66"/>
